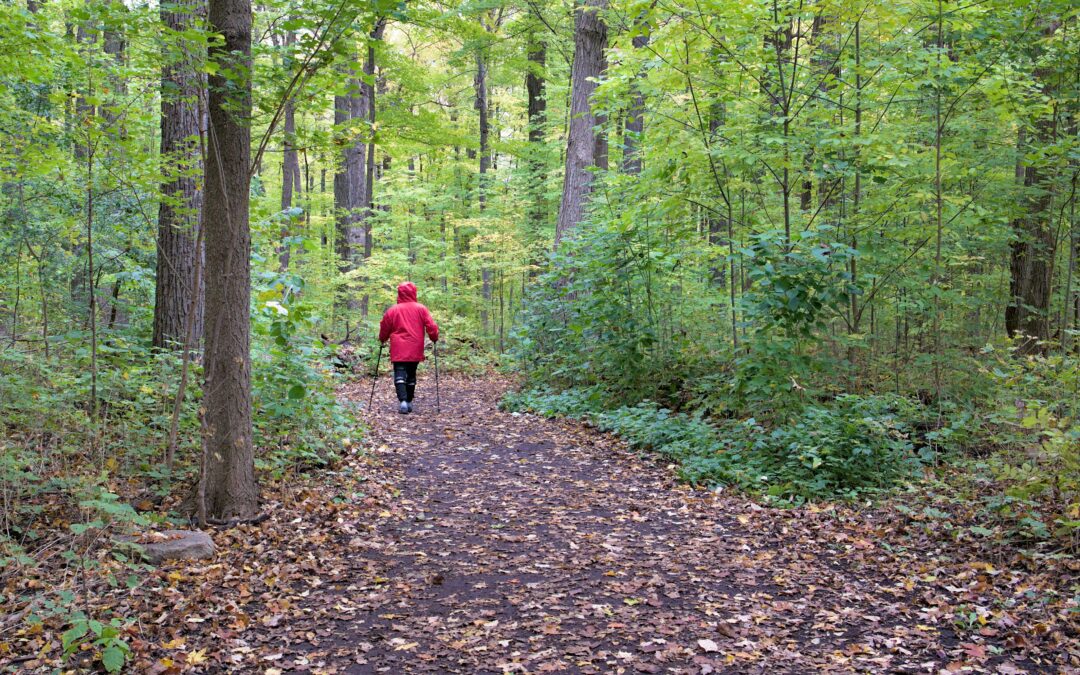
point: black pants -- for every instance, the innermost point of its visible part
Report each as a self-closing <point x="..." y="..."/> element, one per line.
<point x="405" y="379"/>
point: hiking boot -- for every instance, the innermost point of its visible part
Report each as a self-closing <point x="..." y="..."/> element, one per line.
<point x="409" y="403"/>
<point x="404" y="408"/>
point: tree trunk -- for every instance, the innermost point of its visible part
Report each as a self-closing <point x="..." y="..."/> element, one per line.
<point x="290" y="165"/>
<point x="537" y="108"/>
<point x="584" y="146"/>
<point x="370" y="90"/>
<point x="1032" y="251"/>
<point x="635" y="120"/>
<point x="1031" y="256"/>
<point x="349" y="178"/>
<point x="352" y="192"/>
<point x="481" y="103"/>
<point x="181" y="199"/>
<point x="229" y="488"/>
<point x="114" y="44"/>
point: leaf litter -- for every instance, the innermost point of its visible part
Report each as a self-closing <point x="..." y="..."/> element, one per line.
<point x="479" y="541"/>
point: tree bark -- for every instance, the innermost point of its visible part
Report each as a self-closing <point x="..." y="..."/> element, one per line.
<point x="352" y="192"/>
<point x="228" y="484"/>
<point x="290" y="164"/>
<point x="1032" y="251"/>
<point x="537" y="116"/>
<point x="537" y="113"/>
<point x="481" y="103"/>
<point x="1031" y="255"/>
<point x="585" y="147"/>
<point x="181" y="197"/>
<point x="635" y="119"/>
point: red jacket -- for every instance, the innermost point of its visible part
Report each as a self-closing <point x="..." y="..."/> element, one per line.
<point x="404" y="324"/>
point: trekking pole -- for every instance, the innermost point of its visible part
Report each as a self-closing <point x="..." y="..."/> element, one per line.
<point x="375" y="376"/>
<point x="438" y="404"/>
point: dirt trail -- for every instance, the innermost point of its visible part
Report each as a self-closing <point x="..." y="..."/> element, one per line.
<point x="519" y="544"/>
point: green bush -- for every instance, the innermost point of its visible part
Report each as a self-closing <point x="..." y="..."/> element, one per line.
<point x="854" y="446"/>
<point x="857" y="445"/>
<point x="593" y="319"/>
<point x="297" y="416"/>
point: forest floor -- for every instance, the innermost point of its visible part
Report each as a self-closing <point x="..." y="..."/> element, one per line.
<point x="479" y="541"/>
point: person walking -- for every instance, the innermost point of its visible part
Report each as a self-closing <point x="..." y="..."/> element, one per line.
<point x="404" y="324"/>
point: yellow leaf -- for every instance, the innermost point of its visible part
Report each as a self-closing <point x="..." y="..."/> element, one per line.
<point x="196" y="657"/>
<point x="175" y="643"/>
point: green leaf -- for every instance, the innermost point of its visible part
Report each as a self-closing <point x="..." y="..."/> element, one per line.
<point x="72" y="635"/>
<point x="113" y="659"/>
<point x="297" y="391"/>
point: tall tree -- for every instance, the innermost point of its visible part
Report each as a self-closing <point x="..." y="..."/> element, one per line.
<point x="537" y="113"/>
<point x="371" y="86"/>
<point x="228" y="487"/>
<point x="182" y="114"/>
<point x="585" y="144"/>
<point x="290" y="159"/>
<point x="483" y="113"/>
<point x="352" y="194"/>
<point x="1032" y="250"/>
<point x="635" y="115"/>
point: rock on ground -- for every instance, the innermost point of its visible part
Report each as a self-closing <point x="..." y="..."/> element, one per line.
<point x="179" y="545"/>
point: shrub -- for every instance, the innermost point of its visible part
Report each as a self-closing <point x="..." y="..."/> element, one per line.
<point x="853" y="447"/>
<point x="297" y="416"/>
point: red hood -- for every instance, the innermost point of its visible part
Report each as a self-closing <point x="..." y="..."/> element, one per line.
<point x="406" y="292"/>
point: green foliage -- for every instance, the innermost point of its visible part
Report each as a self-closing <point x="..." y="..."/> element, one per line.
<point x="798" y="287"/>
<point x="298" y="419"/>
<point x="106" y="637"/>
<point x="612" y="311"/>
<point x="854" y="447"/>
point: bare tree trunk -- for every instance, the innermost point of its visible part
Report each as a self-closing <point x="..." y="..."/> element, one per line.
<point x="290" y="165"/>
<point x="228" y="483"/>
<point x="370" y="91"/>
<point x="1034" y="246"/>
<point x="584" y="146"/>
<point x="352" y="191"/>
<point x="635" y="120"/>
<point x="114" y="44"/>
<point x="349" y="181"/>
<point x="1031" y="256"/>
<point x="182" y="115"/>
<point x="537" y="111"/>
<point x="85" y="43"/>
<point x="481" y="103"/>
<point x="349" y="178"/>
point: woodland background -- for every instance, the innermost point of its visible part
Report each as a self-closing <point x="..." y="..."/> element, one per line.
<point x="807" y="249"/>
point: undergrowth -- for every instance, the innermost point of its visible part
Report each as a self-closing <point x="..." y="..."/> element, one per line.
<point x="1024" y="491"/>
<point x="74" y="488"/>
<point x="855" y="447"/>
